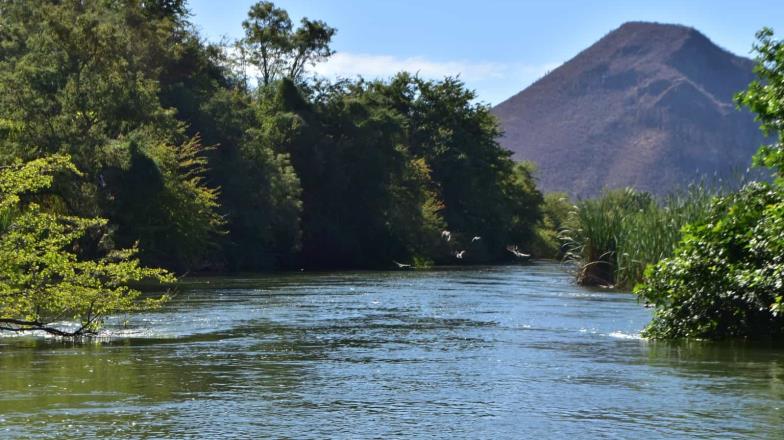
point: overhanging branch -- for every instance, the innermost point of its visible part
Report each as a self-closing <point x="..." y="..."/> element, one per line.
<point x="20" y="325"/>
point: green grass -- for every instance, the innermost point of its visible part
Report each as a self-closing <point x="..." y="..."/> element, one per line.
<point x="613" y="238"/>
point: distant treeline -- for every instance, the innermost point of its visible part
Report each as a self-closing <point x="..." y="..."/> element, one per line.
<point x="231" y="157"/>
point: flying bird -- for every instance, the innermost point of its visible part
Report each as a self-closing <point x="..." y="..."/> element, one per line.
<point x="459" y="255"/>
<point x="402" y="265"/>
<point x="446" y="235"/>
<point x="516" y="252"/>
<point x="475" y="239"/>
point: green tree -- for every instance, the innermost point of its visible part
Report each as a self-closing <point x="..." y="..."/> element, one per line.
<point x="764" y="97"/>
<point x="260" y="191"/>
<point x="279" y="51"/>
<point x="483" y="191"/>
<point x="82" y="79"/>
<point x="158" y="198"/>
<point x="43" y="280"/>
<point x="366" y="199"/>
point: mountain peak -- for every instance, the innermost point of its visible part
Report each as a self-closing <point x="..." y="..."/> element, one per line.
<point x="646" y="96"/>
<point x="637" y="27"/>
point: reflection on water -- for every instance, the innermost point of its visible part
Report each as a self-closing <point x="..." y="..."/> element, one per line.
<point x="503" y="352"/>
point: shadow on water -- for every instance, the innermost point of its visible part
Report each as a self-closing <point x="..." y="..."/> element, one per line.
<point x="142" y="385"/>
<point x="727" y="367"/>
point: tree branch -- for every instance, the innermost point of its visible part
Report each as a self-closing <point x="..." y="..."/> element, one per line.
<point x="26" y="326"/>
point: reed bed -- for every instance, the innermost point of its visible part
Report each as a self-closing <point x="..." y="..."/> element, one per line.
<point x="613" y="238"/>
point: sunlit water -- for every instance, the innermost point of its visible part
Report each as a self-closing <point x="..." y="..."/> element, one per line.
<point x="502" y="352"/>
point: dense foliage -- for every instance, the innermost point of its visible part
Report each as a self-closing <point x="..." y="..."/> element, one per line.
<point x="231" y="157"/>
<point x="726" y="278"/>
<point x="765" y="97"/>
<point x="557" y="212"/>
<point x="43" y="279"/>
<point x="83" y="79"/>
<point x="727" y="273"/>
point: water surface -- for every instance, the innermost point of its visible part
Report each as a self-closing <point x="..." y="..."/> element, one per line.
<point x="500" y="352"/>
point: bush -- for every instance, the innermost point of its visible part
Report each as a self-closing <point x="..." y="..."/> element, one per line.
<point x="726" y="278"/>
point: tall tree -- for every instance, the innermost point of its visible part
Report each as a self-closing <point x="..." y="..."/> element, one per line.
<point x="485" y="194"/>
<point x="82" y="78"/>
<point x="366" y="199"/>
<point x="279" y="51"/>
<point x="765" y="98"/>
<point x="260" y="192"/>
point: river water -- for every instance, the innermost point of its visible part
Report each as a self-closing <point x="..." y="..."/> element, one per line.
<point x="493" y="352"/>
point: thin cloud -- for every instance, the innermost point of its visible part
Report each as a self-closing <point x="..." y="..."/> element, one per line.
<point x="494" y="82"/>
<point x="346" y="64"/>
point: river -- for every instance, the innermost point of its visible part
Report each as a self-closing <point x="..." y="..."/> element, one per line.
<point x="490" y="352"/>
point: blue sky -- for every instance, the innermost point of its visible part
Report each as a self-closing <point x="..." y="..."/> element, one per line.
<point x="497" y="46"/>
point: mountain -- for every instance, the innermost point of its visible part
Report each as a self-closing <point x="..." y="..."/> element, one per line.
<point x="649" y="106"/>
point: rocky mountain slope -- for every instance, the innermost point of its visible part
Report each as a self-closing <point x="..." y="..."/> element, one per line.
<point x="649" y="106"/>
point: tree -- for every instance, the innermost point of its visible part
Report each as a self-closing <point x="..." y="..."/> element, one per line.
<point x="310" y="45"/>
<point x="159" y="199"/>
<point x="260" y="194"/>
<point x="483" y="191"/>
<point x="765" y="97"/>
<point x="83" y="79"/>
<point x="45" y="283"/>
<point x="366" y="199"/>
<point x="279" y="51"/>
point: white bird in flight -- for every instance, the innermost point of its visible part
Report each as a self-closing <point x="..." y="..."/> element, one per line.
<point x="459" y="255"/>
<point x="516" y="252"/>
<point x="446" y="235"/>
<point x="476" y="238"/>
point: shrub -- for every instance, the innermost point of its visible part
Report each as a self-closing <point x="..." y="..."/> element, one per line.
<point x="726" y="278"/>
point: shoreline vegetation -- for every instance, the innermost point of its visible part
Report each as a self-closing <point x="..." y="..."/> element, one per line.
<point x="131" y="149"/>
<point x="613" y="238"/>
<point x="176" y="153"/>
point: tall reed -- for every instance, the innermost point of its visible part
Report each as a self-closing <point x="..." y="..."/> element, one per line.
<point x="614" y="237"/>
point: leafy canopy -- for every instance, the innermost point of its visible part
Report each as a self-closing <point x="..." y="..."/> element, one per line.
<point x="765" y="97"/>
<point x="44" y="283"/>
<point x="277" y="49"/>
<point x="84" y="78"/>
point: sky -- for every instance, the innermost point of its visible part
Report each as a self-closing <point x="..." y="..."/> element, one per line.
<point x="498" y="47"/>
